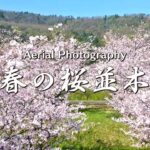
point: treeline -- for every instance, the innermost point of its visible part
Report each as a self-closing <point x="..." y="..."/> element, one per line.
<point x="90" y="24"/>
<point x="84" y="29"/>
<point x="31" y="18"/>
<point x="127" y="24"/>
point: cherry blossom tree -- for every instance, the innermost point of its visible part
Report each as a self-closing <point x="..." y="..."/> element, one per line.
<point x="31" y="118"/>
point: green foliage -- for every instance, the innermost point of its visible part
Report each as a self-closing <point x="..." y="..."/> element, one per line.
<point x="89" y="95"/>
<point x="89" y="62"/>
<point x="2" y="15"/>
<point x="89" y="37"/>
<point x="7" y="27"/>
<point x="98" y="42"/>
<point x="82" y="36"/>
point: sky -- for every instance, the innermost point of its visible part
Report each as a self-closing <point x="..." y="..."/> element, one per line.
<point x="78" y="8"/>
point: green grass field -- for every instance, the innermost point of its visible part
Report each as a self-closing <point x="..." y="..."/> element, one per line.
<point x="104" y="134"/>
<point x="89" y="95"/>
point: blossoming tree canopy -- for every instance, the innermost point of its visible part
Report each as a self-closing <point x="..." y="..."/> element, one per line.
<point x="37" y="113"/>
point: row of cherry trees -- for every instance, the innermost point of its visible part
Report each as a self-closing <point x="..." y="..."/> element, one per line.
<point x="134" y="102"/>
<point x="31" y="118"/>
